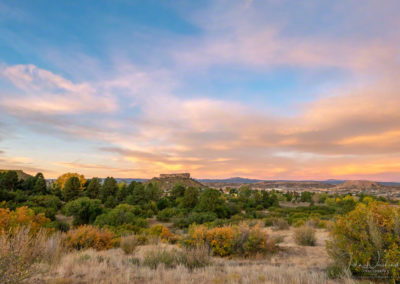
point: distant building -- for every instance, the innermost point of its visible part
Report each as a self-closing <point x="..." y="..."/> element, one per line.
<point x="182" y="175"/>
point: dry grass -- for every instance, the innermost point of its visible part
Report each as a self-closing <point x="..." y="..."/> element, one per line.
<point x="280" y="224"/>
<point x="305" y="236"/>
<point x="307" y="258"/>
<point x="192" y="258"/>
<point x="293" y="264"/>
<point x="22" y="253"/>
<point x="113" y="266"/>
<point x="129" y="243"/>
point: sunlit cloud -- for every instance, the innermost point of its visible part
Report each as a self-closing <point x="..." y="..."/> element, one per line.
<point x="48" y="93"/>
<point x="137" y="118"/>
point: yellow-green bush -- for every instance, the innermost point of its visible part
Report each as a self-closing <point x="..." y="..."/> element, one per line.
<point x="90" y="237"/>
<point x="368" y="237"/>
<point x="231" y="240"/>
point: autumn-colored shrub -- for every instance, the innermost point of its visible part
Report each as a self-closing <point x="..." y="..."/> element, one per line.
<point x="163" y="233"/>
<point x="222" y="240"/>
<point x="368" y="238"/>
<point x="10" y="220"/>
<point x="231" y="240"/>
<point x="90" y="237"/>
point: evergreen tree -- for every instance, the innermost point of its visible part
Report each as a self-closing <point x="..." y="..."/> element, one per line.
<point x="210" y="201"/>
<point x="40" y="184"/>
<point x="29" y="184"/>
<point x="9" y="181"/>
<point x="131" y="186"/>
<point x="71" y="189"/>
<point x="177" y="191"/>
<point x="153" y="192"/>
<point x="93" y="188"/>
<point x="190" y="197"/>
<point x="123" y="192"/>
<point x="109" y="188"/>
<point x="138" y="196"/>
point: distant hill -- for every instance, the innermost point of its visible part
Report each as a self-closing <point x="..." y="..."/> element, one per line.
<point x="241" y="180"/>
<point x="359" y="185"/>
<point x="389" y="183"/>
<point x="169" y="182"/>
<point x="231" y="180"/>
<point x="293" y="185"/>
<point x="21" y="174"/>
<point x="259" y="183"/>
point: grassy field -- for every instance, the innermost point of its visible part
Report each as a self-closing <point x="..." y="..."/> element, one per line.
<point x="292" y="264"/>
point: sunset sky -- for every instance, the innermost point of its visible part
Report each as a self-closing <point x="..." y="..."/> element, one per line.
<point x="260" y="89"/>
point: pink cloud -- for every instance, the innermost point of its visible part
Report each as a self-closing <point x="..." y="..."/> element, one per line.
<point x="46" y="92"/>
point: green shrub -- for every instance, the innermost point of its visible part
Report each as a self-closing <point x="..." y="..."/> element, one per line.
<point x="125" y="229"/>
<point x="84" y="210"/>
<point x="60" y="226"/>
<point x="47" y="204"/>
<point x="199" y="218"/>
<point x="120" y="215"/>
<point x="167" y="213"/>
<point x="48" y="212"/>
<point x="269" y="221"/>
<point x="305" y="236"/>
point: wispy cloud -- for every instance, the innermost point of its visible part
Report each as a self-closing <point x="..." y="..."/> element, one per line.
<point x="46" y="92"/>
<point x="135" y="120"/>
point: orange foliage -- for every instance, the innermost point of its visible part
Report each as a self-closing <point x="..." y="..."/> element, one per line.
<point x="167" y="236"/>
<point x="22" y="216"/>
<point x="90" y="237"/>
<point x="231" y="240"/>
<point x="163" y="232"/>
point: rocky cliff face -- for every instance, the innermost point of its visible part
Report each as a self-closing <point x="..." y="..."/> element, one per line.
<point x="181" y="175"/>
